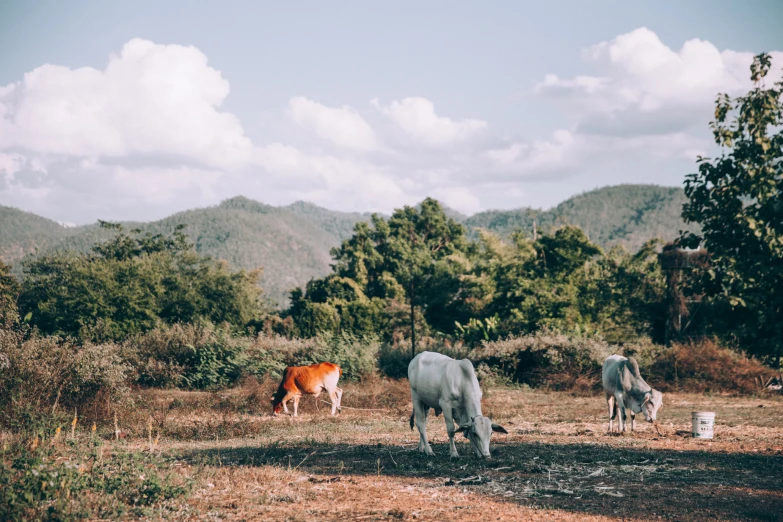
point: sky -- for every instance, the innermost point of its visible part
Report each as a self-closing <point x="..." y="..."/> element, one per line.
<point x="134" y="111"/>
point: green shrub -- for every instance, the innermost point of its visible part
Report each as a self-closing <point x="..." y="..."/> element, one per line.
<point x="269" y="355"/>
<point x="356" y="356"/>
<point x="393" y="359"/>
<point x="547" y="359"/>
<point x="194" y="356"/>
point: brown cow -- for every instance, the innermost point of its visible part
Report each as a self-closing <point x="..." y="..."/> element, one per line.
<point x="311" y="380"/>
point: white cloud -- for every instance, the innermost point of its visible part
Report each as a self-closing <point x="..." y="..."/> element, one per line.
<point x="417" y="118"/>
<point x="538" y="156"/>
<point x="10" y="164"/>
<point x="645" y="87"/>
<point x="461" y="199"/>
<point x="342" y="126"/>
<point x="146" y="136"/>
<point x="150" y="100"/>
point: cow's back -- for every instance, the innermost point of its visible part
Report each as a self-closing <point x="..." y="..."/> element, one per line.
<point x="610" y="374"/>
<point x="309" y="379"/>
<point x="426" y="373"/>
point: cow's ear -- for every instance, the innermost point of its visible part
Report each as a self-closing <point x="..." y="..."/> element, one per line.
<point x="498" y="428"/>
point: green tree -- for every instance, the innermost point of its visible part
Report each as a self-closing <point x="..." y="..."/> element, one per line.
<point x="132" y="282"/>
<point x="738" y="200"/>
<point x="630" y="292"/>
<point x="547" y="283"/>
<point x="9" y="291"/>
<point x="416" y="273"/>
<point x="410" y="256"/>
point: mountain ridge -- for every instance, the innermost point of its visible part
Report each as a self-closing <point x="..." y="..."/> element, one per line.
<point x="292" y="242"/>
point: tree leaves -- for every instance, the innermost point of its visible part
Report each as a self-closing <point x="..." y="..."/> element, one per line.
<point x="736" y="198"/>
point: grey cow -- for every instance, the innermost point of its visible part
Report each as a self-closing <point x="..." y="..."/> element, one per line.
<point x="625" y="389"/>
<point x="451" y="387"/>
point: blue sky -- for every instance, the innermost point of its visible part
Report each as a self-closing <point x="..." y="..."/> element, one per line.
<point x="133" y="111"/>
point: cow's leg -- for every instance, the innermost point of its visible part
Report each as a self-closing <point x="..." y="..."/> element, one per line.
<point x="420" y="411"/>
<point x="339" y="394"/>
<point x="288" y="397"/>
<point x="633" y="420"/>
<point x="610" y="404"/>
<point x="296" y="405"/>
<point x="621" y="412"/>
<point x="448" y="416"/>
<point x="334" y="397"/>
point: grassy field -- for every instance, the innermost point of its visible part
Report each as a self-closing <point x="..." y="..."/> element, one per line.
<point x="556" y="463"/>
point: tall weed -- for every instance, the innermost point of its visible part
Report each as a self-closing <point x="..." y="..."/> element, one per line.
<point x="46" y="373"/>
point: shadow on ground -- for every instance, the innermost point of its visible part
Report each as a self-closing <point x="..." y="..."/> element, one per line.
<point x="581" y="478"/>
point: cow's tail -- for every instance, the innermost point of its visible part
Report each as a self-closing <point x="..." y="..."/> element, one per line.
<point x="634" y="367"/>
<point x="412" y="415"/>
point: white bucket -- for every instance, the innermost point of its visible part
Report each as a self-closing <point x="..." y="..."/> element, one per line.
<point x="703" y="423"/>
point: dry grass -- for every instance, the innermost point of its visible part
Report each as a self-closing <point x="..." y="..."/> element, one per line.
<point x="705" y="366"/>
<point x="556" y="463"/>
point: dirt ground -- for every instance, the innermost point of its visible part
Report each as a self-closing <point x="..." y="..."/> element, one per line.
<point x="556" y="463"/>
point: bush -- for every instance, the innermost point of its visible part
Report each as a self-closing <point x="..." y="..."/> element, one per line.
<point x="269" y="355"/>
<point x="40" y="373"/>
<point x="703" y="366"/>
<point x="131" y="283"/>
<point x="356" y="356"/>
<point x="393" y="359"/>
<point x="193" y="356"/>
<point x="546" y="359"/>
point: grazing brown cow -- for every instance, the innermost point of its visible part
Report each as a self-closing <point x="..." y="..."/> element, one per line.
<point x="311" y="380"/>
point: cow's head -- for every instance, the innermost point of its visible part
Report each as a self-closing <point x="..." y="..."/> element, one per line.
<point x="478" y="432"/>
<point x="277" y="403"/>
<point x="653" y="401"/>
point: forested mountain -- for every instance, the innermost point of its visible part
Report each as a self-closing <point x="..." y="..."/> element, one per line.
<point x="23" y="233"/>
<point x="292" y="243"/>
<point x="622" y="214"/>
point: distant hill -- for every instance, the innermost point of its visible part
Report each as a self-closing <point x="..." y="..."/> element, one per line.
<point x="22" y="233"/>
<point x="292" y="243"/>
<point x="627" y="215"/>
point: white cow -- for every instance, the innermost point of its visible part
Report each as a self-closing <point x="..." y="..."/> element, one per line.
<point x="625" y="389"/>
<point x="451" y="387"/>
